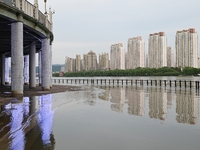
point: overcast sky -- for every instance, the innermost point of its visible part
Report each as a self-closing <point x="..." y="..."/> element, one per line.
<point x="83" y="25"/>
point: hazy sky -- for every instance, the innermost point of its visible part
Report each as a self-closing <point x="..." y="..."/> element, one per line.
<point x="83" y="25"/>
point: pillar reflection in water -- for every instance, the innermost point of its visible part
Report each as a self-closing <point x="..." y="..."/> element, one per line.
<point x="45" y="118"/>
<point x="18" y="113"/>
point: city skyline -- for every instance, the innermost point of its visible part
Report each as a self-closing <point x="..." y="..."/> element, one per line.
<point x="80" y="26"/>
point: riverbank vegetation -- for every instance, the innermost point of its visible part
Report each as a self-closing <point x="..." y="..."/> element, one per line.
<point x="165" y="71"/>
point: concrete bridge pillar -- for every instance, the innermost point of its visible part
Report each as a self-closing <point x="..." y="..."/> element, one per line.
<point x="32" y="71"/>
<point x="40" y="68"/>
<point x="45" y="64"/>
<point x="50" y="65"/>
<point x="7" y="70"/>
<point x="17" y="62"/>
<point x="2" y="69"/>
<point x="26" y="69"/>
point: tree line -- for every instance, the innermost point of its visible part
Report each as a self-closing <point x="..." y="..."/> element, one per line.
<point x="164" y="71"/>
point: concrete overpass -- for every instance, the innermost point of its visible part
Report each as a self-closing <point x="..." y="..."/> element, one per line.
<point x="25" y="31"/>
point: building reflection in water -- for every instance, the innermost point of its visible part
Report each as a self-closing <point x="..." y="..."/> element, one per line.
<point x="136" y="100"/>
<point x="117" y="99"/>
<point x="157" y="103"/>
<point x="160" y="101"/>
<point x="24" y="123"/>
<point x="187" y="107"/>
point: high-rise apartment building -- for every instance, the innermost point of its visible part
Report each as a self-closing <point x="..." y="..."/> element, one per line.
<point x="157" y="50"/>
<point x="90" y="61"/>
<point x="170" y="57"/>
<point x="187" y="48"/>
<point x="117" y="56"/>
<point x="70" y="64"/>
<point x="104" y="61"/>
<point x="78" y="62"/>
<point x="135" y="53"/>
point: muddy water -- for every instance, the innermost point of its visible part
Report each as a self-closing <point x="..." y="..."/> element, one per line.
<point x="103" y="118"/>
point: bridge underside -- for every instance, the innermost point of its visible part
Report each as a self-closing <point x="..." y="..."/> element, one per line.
<point x="29" y="36"/>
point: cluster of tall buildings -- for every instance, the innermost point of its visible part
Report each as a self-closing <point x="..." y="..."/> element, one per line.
<point x="159" y="54"/>
<point x="87" y="63"/>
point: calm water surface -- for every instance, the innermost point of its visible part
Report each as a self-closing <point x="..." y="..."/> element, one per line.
<point x="104" y="118"/>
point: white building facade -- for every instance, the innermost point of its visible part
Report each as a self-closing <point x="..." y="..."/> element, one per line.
<point x="104" y="61"/>
<point x="187" y="48"/>
<point x="136" y="53"/>
<point x="117" y="56"/>
<point x="157" y="50"/>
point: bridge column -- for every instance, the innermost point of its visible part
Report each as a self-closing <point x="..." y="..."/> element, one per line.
<point x="17" y="62"/>
<point x="40" y="68"/>
<point x="2" y="69"/>
<point x="6" y="70"/>
<point x="26" y="69"/>
<point x="45" y="64"/>
<point x="32" y="72"/>
<point x="50" y="65"/>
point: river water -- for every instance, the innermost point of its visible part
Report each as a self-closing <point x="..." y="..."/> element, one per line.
<point x="103" y="117"/>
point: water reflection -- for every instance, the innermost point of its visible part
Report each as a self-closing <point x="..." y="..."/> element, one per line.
<point x="136" y="101"/>
<point x="187" y="107"/>
<point x="157" y="103"/>
<point x="159" y="100"/>
<point x="117" y="99"/>
<point x="24" y="123"/>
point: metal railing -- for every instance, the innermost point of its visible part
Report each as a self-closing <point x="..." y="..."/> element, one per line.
<point x="31" y="10"/>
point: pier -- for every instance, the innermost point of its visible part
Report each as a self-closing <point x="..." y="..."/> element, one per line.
<point x="130" y="82"/>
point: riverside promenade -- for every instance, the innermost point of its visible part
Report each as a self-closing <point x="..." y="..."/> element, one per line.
<point x="25" y="31"/>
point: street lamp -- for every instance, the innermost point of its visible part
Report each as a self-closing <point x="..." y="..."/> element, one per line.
<point x="45" y="7"/>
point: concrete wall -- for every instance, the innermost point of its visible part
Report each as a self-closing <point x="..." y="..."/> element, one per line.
<point x="9" y="2"/>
